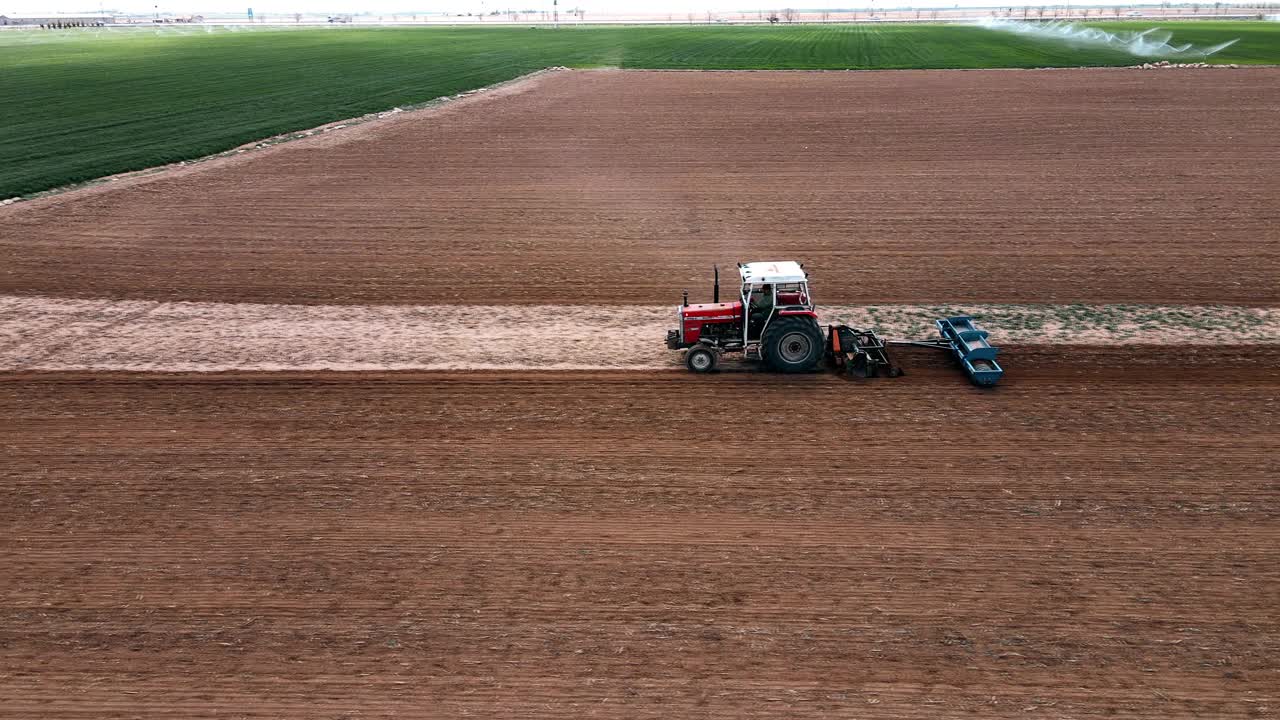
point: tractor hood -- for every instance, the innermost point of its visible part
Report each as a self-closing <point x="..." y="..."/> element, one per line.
<point x="712" y="311"/>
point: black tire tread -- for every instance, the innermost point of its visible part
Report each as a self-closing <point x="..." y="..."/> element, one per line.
<point x="782" y="326"/>
<point x="688" y="356"/>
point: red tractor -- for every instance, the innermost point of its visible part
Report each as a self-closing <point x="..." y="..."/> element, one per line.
<point x="773" y="321"/>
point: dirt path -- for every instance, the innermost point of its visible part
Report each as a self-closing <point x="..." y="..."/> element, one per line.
<point x="54" y="334"/>
<point x="1095" y="186"/>
<point x="1073" y="544"/>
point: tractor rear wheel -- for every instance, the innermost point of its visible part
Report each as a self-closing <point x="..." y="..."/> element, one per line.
<point x="792" y="344"/>
<point x="701" y="359"/>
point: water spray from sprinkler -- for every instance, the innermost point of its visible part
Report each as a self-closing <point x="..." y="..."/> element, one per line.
<point x="1153" y="42"/>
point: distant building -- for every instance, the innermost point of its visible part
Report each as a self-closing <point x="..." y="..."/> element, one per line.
<point x="58" y="20"/>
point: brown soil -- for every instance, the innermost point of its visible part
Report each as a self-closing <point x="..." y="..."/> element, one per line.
<point x="1086" y="540"/>
<point x="624" y="187"/>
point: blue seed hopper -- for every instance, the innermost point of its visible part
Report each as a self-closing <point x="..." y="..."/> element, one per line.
<point x="976" y="355"/>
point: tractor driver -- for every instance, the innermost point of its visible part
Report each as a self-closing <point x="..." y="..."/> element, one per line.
<point x="762" y="301"/>
<point x="760" y="307"/>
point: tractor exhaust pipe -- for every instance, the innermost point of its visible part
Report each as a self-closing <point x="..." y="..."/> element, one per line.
<point x="715" y="295"/>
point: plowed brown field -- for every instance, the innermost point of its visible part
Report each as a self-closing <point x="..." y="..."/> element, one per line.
<point x="612" y="187"/>
<point x="1099" y="536"/>
<point x="1080" y="542"/>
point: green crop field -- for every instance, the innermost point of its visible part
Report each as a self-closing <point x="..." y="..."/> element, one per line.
<point x="78" y="105"/>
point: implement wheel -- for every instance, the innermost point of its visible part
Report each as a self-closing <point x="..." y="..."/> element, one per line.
<point x="701" y="359"/>
<point x="792" y="344"/>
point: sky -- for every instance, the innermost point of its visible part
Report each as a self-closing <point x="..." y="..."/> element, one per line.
<point x="405" y="7"/>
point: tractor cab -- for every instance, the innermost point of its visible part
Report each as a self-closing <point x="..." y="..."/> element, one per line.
<point x="769" y="290"/>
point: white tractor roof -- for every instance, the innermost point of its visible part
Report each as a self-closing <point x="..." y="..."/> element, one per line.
<point x="772" y="272"/>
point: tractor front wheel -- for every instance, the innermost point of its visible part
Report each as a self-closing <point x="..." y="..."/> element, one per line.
<point x="792" y="344"/>
<point x="701" y="359"/>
